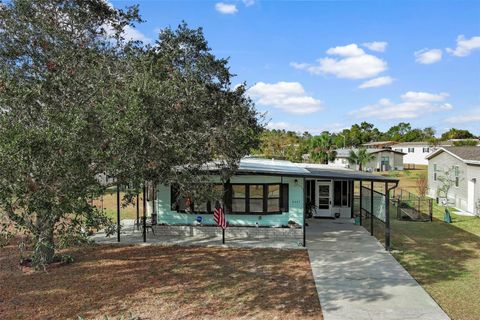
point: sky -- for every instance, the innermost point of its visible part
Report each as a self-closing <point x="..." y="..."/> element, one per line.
<point x="325" y="65"/>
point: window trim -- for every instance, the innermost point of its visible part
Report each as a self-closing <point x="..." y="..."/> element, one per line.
<point x="228" y="191"/>
<point x="265" y="199"/>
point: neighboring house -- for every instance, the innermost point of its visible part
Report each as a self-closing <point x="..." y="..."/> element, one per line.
<point x="270" y="193"/>
<point x="463" y="163"/>
<point x="415" y="152"/>
<point x="385" y="160"/>
<point x="380" y="144"/>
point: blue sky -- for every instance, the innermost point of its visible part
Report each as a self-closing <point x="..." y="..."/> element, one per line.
<point x="324" y="65"/>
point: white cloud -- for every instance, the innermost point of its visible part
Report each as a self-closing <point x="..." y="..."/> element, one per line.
<point x="379" y="46"/>
<point x="413" y="105"/>
<point x="465" y="46"/>
<point x="418" y="96"/>
<point x="351" y="50"/>
<point x="129" y="33"/>
<point x="248" y="3"/>
<point x="225" y="8"/>
<point x="377" y="82"/>
<point x="287" y="96"/>
<point x="473" y="116"/>
<point x="428" y="56"/>
<point x="353" y="63"/>
<point x="133" y="34"/>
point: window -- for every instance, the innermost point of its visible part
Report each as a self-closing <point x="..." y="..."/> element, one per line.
<point x="256" y="197"/>
<point x="426" y="150"/>
<point x="273" y="198"/>
<point x="184" y="203"/>
<point x="457" y="176"/>
<point x="399" y="150"/>
<point x="411" y="150"/>
<point x="341" y="194"/>
<point x="259" y="198"/>
<point x="434" y="172"/>
<point x="238" y="198"/>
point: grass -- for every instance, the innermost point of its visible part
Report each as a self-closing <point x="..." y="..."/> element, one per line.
<point x="443" y="258"/>
<point x="155" y="282"/>
<point x="109" y="204"/>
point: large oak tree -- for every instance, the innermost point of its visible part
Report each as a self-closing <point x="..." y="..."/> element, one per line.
<point x="77" y="100"/>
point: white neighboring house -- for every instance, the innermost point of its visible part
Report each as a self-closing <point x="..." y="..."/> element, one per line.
<point x="385" y="160"/>
<point x="464" y="163"/>
<point x="415" y="152"/>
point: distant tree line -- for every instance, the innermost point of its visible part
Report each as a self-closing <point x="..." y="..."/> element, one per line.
<point x="289" y="145"/>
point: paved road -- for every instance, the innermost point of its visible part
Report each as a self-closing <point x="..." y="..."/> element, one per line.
<point x="357" y="279"/>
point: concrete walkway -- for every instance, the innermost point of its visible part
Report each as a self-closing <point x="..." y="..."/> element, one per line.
<point x="357" y="279"/>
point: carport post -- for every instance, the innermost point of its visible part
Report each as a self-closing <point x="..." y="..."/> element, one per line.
<point x="304" y="211"/>
<point x="371" y="208"/>
<point x="118" y="212"/>
<point x="360" y="202"/>
<point x="387" y="217"/>
<point x="352" y="199"/>
<point x="144" y="219"/>
<point x="138" y="212"/>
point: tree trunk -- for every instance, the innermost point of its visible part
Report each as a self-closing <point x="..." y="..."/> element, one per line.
<point x="44" y="250"/>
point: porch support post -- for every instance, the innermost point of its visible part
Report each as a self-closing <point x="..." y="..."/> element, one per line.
<point x="371" y="208"/>
<point x="304" y="211"/>
<point x="118" y="212"/>
<point x="360" y="202"/>
<point x="387" y="217"/>
<point x="352" y="198"/>
<point x="144" y="219"/>
<point x="137" y="222"/>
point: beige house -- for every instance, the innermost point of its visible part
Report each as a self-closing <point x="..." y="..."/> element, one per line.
<point x="460" y="166"/>
<point x="385" y="160"/>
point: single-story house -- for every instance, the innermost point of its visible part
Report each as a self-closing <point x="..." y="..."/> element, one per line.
<point x="385" y="160"/>
<point x="459" y="167"/>
<point x="415" y="152"/>
<point x="268" y="193"/>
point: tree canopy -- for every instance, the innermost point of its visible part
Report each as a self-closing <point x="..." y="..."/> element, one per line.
<point x="77" y="100"/>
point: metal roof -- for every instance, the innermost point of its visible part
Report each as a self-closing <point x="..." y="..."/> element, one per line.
<point x="256" y="166"/>
<point x="344" y="153"/>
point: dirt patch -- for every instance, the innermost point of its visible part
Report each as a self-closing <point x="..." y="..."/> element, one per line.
<point x="156" y="282"/>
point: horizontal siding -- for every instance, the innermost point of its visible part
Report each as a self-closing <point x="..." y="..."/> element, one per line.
<point x="295" y="213"/>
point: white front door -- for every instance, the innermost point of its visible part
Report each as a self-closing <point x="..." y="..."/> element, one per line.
<point x="323" y="198"/>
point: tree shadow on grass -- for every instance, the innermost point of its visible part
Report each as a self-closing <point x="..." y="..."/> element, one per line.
<point x="158" y="282"/>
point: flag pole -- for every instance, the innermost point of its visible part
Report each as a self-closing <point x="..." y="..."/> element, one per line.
<point x="225" y="217"/>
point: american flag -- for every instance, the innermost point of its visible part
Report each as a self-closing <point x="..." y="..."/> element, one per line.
<point x="219" y="218"/>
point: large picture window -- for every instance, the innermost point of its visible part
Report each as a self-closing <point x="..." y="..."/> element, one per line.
<point x="185" y="203"/>
<point x="259" y="198"/>
<point x="240" y="199"/>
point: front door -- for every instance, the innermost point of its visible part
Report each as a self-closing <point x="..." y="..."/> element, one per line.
<point x="323" y="200"/>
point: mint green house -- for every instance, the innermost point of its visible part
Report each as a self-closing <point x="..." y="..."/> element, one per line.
<point x="268" y="193"/>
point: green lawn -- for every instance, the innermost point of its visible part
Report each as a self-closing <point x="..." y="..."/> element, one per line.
<point x="443" y="258"/>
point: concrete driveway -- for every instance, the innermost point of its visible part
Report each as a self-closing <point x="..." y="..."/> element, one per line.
<point x="357" y="279"/>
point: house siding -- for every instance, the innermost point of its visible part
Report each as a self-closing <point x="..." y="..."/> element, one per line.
<point x="457" y="196"/>
<point x="295" y="213"/>
<point x="417" y="157"/>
